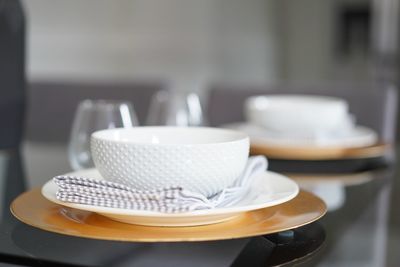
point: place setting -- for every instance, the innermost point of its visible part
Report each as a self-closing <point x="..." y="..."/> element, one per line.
<point x="169" y="184"/>
<point x="307" y="128"/>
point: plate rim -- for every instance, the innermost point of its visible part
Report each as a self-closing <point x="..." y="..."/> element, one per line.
<point x="302" y="144"/>
<point x="209" y="212"/>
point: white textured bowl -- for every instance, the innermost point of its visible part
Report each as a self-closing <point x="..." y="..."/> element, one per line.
<point x="203" y="160"/>
<point x="298" y="114"/>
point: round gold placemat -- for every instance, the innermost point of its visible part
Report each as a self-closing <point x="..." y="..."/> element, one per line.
<point x="318" y="153"/>
<point x="33" y="209"/>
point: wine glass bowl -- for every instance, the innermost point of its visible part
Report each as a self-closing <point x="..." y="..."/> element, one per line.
<point x="172" y="108"/>
<point x="91" y="116"/>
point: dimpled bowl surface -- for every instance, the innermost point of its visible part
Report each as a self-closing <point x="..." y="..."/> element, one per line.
<point x="203" y="160"/>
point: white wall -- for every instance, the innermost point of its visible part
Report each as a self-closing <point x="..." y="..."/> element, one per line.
<point x="308" y="43"/>
<point x="308" y="39"/>
<point x="191" y="42"/>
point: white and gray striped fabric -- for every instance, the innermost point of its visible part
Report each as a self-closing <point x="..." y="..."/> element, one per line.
<point x="173" y="199"/>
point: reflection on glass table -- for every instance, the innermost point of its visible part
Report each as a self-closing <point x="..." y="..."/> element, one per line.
<point x="331" y="187"/>
<point x="357" y="221"/>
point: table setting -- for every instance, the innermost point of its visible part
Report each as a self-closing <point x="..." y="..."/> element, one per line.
<point x="163" y="177"/>
<point x="310" y="133"/>
<point x="306" y="127"/>
<point x="171" y="183"/>
<point x="170" y="178"/>
<point x="185" y="175"/>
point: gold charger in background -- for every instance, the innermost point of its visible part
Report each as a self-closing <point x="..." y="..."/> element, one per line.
<point x="33" y="209"/>
<point x="318" y="153"/>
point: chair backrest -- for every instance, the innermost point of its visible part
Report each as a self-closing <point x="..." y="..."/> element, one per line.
<point x="12" y="73"/>
<point x="52" y="106"/>
<point x="374" y="107"/>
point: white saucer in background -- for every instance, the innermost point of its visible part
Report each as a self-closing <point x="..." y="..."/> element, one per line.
<point x="268" y="189"/>
<point x="359" y="136"/>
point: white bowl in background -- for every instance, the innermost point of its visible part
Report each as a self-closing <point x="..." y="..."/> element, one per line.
<point x="299" y="115"/>
<point x="200" y="159"/>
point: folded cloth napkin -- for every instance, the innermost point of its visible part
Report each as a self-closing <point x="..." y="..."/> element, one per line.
<point x="173" y="199"/>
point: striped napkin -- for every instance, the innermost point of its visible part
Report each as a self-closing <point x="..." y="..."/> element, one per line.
<point x="174" y="199"/>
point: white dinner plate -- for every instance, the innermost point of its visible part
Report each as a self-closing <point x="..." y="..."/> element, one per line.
<point x="268" y="189"/>
<point x="359" y="136"/>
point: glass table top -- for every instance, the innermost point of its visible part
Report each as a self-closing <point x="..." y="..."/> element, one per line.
<point x="361" y="228"/>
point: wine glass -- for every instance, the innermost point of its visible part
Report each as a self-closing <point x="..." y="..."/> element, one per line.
<point x="175" y="109"/>
<point x="91" y="116"/>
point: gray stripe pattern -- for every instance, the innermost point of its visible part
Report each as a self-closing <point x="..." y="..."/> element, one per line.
<point x="174" y="199"/>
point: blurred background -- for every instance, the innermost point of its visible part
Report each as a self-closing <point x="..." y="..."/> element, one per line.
<point x="192" y="43"/>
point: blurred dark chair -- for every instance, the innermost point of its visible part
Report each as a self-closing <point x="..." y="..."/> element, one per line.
<point x="373" y="106"/>
<point x="52" y="105"/>
<point x="12" y="73"/>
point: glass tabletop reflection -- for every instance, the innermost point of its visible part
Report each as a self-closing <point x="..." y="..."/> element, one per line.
<point x="361" y="227"/>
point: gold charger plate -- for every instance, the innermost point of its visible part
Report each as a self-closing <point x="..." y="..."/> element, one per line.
<point x="33" y="209"/>
<point x="318" y="153"/>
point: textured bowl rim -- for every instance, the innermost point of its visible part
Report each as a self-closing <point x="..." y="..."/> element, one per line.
<point x="241" y="136"/>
